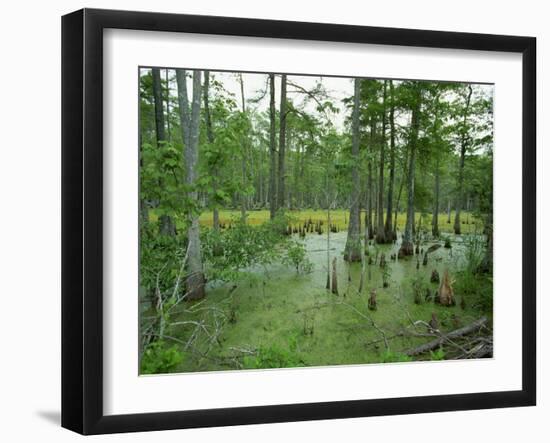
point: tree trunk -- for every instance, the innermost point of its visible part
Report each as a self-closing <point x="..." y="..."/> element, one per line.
<point x="436" y="139"/>
<point x="143" y="204"/>
<point x="353" y="243"/>
<point x="407" y="244"/>
<point x="272" y="149"/>
<point x="368" y="210"/>
<point x="159" y="111"/>
<point x="210" y="138"/>
<point x="244" y="144"/>
<point x="195" y="275"/>
<point x="167" y="107"/>
<point x="328" y="228"/>
<point x="398" y="200"/>
<point x="463" y="144"/>
<point x="282" y="145"/>
<point x="380" y="230"/>
<point x="435" y="215"/>
<point x="368" y="214"/>
<point x="166" y="224"/>
<point x="183" y="103"/>
<point x="389" y="230"/>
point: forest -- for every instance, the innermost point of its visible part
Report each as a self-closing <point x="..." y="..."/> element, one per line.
<point x="296" y="221"/>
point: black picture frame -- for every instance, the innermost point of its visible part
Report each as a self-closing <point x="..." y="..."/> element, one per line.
<point x="82" y="218"/>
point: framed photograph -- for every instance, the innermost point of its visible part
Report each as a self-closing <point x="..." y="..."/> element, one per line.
<point x="269" y="221"/>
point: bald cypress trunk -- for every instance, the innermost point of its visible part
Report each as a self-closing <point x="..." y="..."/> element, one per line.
<point x="463" y="145"/>
<point x="183" y="103"/>
<point x="353" y="243"/>
<point x="407" y="244"/>
<point x="369" y="203"/>
<point x="159" y="111"/>
<point x="380" y="231"/>
<point x="244" y="145"/>
<point x="282" y="145"/>
<point x="436" y="137"/>
<point x="435" y="215"/>
<point x="389" y="229"/>
<point x="190" y="134"/>
<point x="272" y="149"/>
<point x="210" y="138"/>
<point x="168" y="132"/>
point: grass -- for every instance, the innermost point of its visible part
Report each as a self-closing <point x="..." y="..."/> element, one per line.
<point x="340" y="217"/>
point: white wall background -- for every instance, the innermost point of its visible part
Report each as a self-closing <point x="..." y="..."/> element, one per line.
<point x="30" y="218"/>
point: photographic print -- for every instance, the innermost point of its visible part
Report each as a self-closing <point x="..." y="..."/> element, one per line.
<point x="292" y="220"/>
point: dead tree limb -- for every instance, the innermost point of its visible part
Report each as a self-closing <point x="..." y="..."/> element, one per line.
<point x="468" y="329"/>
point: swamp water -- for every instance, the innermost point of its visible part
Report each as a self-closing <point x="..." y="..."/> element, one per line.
<point x="275" y="309"/>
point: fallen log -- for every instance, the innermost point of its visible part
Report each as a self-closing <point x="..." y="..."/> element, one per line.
<point x="468" y="329"/>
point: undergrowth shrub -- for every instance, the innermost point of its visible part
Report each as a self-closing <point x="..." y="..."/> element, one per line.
<point x="296" y="256"/>
<point x="274" y="356"/>
<point x="394" y="357"/>
<point x="158" y="358"/>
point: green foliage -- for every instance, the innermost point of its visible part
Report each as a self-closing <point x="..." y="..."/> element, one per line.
<point x="158" y="358"/>
<point x="230" y="251"/>
<point x="470" y="284"/>
<point x="419" y="285"/>
<point x="476" y="289"/>
<point x="437" y="355"/>
<point x="296" y="256"/>
<point x="275" y="357"/>
<point x="475" y="248"/>
<point x="394" y="357"/>
<point x="160" y="258"/>
<point x="234" y="172"/>
<point x="386" y="275"/>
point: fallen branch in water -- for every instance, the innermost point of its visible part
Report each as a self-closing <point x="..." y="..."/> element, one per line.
<point x="468" y="329"/>
<point x="367" y="317"/>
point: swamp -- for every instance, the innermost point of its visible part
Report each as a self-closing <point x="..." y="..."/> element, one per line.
<point x="298" y="221"/>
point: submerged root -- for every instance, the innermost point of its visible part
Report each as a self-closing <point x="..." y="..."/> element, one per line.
<point x="406" y="249"/>
<point x="372" y="300"/>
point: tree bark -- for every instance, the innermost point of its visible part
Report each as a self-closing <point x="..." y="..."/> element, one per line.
<point x="244" y="145"/>
<point x="463" y="145"/>
<point x="282" y="145"/>
<point x="389" y="230"/>
<point x="183" y="103"/>
<point x="380" y="230"/>
<point x="353" y="243"/>
<point x="328" y="227"/>
<point x="159" y="111"/>
<point x="407" y="244"/>
<point x="210" y="138"/>
<point x="368" y="214"/>
<point x="404" y="175"/>
<point x="436" y="139"/>
<point x="435" y="215"/>
<point x="272" y="150"/>
<point x="195" y="275"/>
<point x="168" y="136"/>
